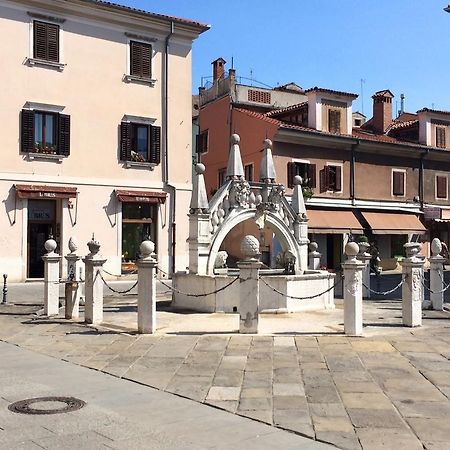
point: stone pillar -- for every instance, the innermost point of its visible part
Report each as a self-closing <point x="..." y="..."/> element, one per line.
<point x="353" y="319"/>
<point x="314" y="256"/>
<point x="301" y="222"/>
<point x="73" y="285"/>
<point x="365" y="257"/>
<point x="436" y="276"/>
<point x="412" y="290"/>
<point x="93" y="309"/>
<point x="51" y="278"/>
<point x="147" y="288"/>
<point x="249" y="285"/>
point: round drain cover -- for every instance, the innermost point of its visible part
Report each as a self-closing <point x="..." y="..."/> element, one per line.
<point x="46" y="405"/>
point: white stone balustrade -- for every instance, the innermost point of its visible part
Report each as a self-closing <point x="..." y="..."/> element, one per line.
<point x="147" y="265"/>
<point x="353" y="316"/>
<point x="249" y="285"/>
<point x="73" y="285"/>
<point x="94" y="284"/>
<point x="412" y="289"/>
<point x="436" y="276"/>
<point x="51" y="278"/>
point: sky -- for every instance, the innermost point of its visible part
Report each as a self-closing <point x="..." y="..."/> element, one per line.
<point x="359" y="46"/>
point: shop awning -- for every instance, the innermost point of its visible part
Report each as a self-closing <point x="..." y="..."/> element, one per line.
<point x="44" y="191"/>
<point x="333" y="222"/>
<point x="390" y="223"/>
<point x="154" y="198"/>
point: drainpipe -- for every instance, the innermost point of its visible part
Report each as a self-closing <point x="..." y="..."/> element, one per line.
<point x="172" y="206"/>
<point x="421" y="178"/>
<point x="352" y="171"/>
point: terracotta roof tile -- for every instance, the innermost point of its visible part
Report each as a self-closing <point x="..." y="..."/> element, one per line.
<point x="331" y="91"/>
<point x="291" y="108"/>
<point x="257" y="115"/>
<point x="433" y="111"/>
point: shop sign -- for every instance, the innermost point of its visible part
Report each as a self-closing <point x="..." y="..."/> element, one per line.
<point x="432" y="213"/>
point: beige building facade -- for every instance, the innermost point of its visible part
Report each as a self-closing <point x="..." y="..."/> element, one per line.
<point x="96" y="125"/>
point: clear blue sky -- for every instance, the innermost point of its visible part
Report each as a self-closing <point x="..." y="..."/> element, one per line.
<point x="401" y="45"/>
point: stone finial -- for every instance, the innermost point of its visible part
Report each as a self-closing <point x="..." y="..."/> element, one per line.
<point x="235" y="169"/>
<point x="436" y="247"/>
<point x="199" y="198"/>
<point x="351" y="250"/>
<point x="73" y="246"/>
<point x="412" y="249"/>
<point x="298" y="202"/>
<point x="267" y="171"/>
<point x="250" y="248"/>
<point x="313" y="246"/>
<point x="147" y="250"/>
<point x="93" y="246"/>
<point x="50" y="245"/>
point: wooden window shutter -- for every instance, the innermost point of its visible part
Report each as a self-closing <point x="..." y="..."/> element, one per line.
<point x="125" y="141"/>
<point x="440" y="137"/>
<point x="155" y="144"/>
<point x="441" y="187"/>
<point x="334" y="121"/>
<point x="398" y="183"/>
<point x="140" y="59"/>
<point x="46" y="41"/>
<point x="338" y="182"/>
<point x="64" y="134"/>
<point x="291" y="172"/>
<point x="27" y="131"/>
<point x="312" y="175"/>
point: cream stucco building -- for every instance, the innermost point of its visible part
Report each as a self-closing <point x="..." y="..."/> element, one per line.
<point x="96" y="132"/>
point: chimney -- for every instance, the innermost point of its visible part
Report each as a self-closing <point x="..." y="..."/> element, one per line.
<point x="382" y="110"/>
<point x="218" y="69"/>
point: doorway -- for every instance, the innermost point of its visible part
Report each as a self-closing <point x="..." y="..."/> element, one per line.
<point x="41" y="225"/>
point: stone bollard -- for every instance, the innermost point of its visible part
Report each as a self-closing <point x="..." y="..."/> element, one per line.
<point x="353" y="319"/>
<point x="314" y="256"/>
<point x="436" y="276"/>
<point x="365" y="257"/>
<point x="93" y="309"/>
<point x="51" y="278"/>
<point x="249" y="285"/>
<point x="73" y="285"/>
<point x="412" y="290"/>
<point x="147" y="288"/>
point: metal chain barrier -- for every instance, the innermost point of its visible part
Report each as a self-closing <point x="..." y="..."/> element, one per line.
<point x="172" y="289"/>
<point x="447" y="286"/>
<point x="115" y="290"/>
<point x="121" y="275"/>
<point x="310" y="297"/>
<point x="386" y="292"/>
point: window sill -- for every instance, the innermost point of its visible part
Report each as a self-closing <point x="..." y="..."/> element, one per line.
<point x="139" y="165"/>
<point x="45" y="156"/>
<point x="43" y="63"/>
<point x="134" y="79"/>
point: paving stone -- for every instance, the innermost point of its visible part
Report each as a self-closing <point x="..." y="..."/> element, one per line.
<point x="322" y="395"/>
<point x="438" y="378"/>
<point x="280" y="389"/>
<point x="227" y="405"/>
<point x="430" y="430"/>
<point x="341" y="424"/>
<point x="228" y="378"/>
<point x="358" y="386"/>
<point x="255" y="404"/>
<point x="283" y="341"/>
<point x="264" y="415"/>
<point x="223" y="393"/>
<point x="258" y="392"/>
<point x="376" y="418"/>
<point x="289" y="402"/>
<point x="388" y="439"/>
<point x="369" y="346"/>
<point x="423" y="409"/>
<point x="344" y="364"/>
<point x="287" y="375"/>
<point x="327" y="410"/>
<point x="365" y="400"/>
<point x="233" y="362"/>
<point x="342" y="440"/>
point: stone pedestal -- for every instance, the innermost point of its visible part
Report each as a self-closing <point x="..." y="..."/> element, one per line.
<point x="147" y="288"/>
<point x="353" y="318"/>
<point x="436" y="276"/>
<point x="73" y="286"/>
<point x="365" y="258"/>
<point x="249" y="285"/>
<point x="314" y="256"/>
<point x="51" y="279"/>
<point x="412" y="290"/>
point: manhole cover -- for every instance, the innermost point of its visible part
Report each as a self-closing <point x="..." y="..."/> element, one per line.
<point x="46" y="405"/>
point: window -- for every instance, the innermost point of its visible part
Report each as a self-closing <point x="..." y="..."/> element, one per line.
<point x="202" y="142"/>
<point x="248" y="172"/>
<point x="45" y="132"/>
<point x="45" y="41"/>
<point x="398" y="182"/>
<point x="440" y="137"/>
<point x="358" y="122"/>
<point x="140" y="142"/>
<point x="334" y="121"/>
<point x="441" y="186"/>
<point x="221" y="177"/>
<point x="331" y="178"/>
<point x="140" y="60"/>
<point x="305" y="170"/>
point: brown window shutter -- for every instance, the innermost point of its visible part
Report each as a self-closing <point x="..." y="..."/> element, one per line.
<point x="125" y="141"/>
<point x="146" y="53"/>
<point x="64" y="134"/>
<point x="198" y="143"/>
<point x="291" y="172"/>
<point x="326" y="178"/>
<point x="441" y="187"/>
<point x="46" y="41"/>
<point x="135" y="59"/>
<point x="140" y="59"/>
<point x="440" y="137"/>
<point x="398" y="183"/>
<point x="155" y="144"/>
<point x="27" y="131"/>
<point x="312" y="175"/>
<point x="53" y="42"/>
<point x="338" y="184"/>
<point x="334" y="121"/>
